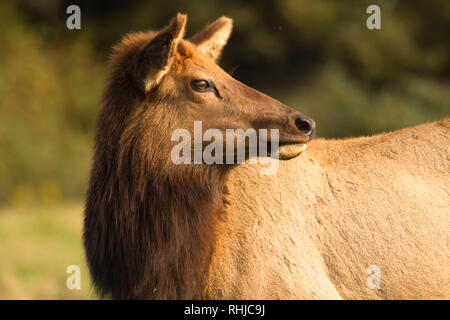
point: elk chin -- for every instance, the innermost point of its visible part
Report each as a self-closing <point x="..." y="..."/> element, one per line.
<point x="292" y="150"/>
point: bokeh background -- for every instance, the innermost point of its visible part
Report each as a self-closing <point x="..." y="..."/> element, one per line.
<point x="317" y="56"/>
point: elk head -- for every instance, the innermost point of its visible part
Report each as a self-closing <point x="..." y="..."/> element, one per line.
<point x="178" y="82"/>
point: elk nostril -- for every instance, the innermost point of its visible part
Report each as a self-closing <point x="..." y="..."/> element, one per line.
<point x="304" y="126"/>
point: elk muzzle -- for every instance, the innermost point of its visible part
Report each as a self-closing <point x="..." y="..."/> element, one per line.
<point x="305" y="128"/>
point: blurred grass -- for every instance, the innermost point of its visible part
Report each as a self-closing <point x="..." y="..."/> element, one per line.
<point x="37" y="244"/>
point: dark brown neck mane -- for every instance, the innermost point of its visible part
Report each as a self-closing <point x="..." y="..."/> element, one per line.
<point x="153" y="239"/>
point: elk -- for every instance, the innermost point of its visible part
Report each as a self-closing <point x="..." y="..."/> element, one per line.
<point x="157" y="230"/>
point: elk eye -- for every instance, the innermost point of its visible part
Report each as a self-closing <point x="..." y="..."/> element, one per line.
<point x="200" y="85"/>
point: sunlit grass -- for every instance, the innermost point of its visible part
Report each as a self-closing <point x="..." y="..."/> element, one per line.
<point x="37" y="244"/>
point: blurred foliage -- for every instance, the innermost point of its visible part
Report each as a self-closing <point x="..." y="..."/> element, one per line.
<point x="49" y="95"/>
<point x="317" y="56"/>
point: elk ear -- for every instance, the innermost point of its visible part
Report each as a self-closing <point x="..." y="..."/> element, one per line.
<point x="158" y="55"/>
<point x="214" y="37"/>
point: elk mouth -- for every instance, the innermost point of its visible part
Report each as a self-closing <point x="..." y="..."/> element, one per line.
<point x="289" y="150"/>
<point x="291" y="146"/>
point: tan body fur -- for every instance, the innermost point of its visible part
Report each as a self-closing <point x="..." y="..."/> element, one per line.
<point x="312" y="230"/>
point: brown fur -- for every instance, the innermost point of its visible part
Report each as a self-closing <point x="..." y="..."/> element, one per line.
<point x="312" y="230"/>
<point x="155" y="230"/>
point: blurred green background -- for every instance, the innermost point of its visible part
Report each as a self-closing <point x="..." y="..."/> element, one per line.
<point x="317" y="56"/>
